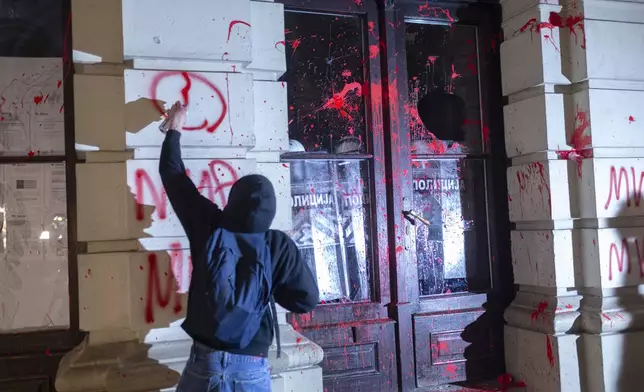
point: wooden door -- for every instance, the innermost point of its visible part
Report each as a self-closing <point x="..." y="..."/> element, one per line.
<point x="453" y="277"/>
<point x="339" y="187"/>
<point x="32" y="341"/>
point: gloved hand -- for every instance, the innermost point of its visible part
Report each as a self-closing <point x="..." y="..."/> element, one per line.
<point x="175" y="118"/>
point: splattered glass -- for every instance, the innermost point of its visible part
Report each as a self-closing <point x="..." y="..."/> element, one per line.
<point x="444" y="106"/>
<point x="445" y="115"/>
<point x="452" y="250"/>
<point x="330" y="204"/>
<point x="325" y="75"/>
<point x="330" y="194"/>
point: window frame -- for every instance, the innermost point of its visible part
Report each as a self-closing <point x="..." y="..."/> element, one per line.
<point x="375" y="140"/>
<point x="18" y="346"/>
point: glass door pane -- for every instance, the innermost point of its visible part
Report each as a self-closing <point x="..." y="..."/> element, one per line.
<point x="448" y="142"/>
<point x="451" y="242"/>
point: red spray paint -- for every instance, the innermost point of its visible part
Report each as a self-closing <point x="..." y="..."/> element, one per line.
<point x="551" y="357"/>
<point x="210" y="180"/>
<point x="618" y="255"/>
<point x="189" y="78"/>
<point x="615" y="186"/>
<point x="154" y="291"/>
<point x="232" y="24"/>
<point x="160" y="199"/>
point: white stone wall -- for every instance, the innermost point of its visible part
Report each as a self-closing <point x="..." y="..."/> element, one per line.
<point x="133" y="59"/>
<point x="575" y="90"/>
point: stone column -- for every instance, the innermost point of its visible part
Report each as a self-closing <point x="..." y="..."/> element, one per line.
<point x="131" y="59"/>
<point x="575" y="93"/>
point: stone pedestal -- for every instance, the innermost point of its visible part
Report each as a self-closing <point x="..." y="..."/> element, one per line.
<point x="133" y="59"/>
<point x="575" y="94"/>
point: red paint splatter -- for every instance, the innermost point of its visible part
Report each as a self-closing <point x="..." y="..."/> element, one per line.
<point x="541" y="309"/>
<point x="154" y="290"/>
<point x="280" y="43"/>
<point x="230" y="124"/>
<point x="399" y="249"/>
<point x="431" y="59"/>
<point x="631" y="119"/>
<point x="189" y="77"/>
<point x="580" y="142"/>
<point x="374" y="50"/>
<point x="427" y="11"/>
<point x="453" y="76"/>
<point x="358" y="2"/>
<point x="59" y="84"/>
<point x="372" y="27"/>
<point x="451" y="370"/>
<point x="232" y="24"/>
<point x="346" y="73"/>
<point x="569" y="306"/>
<point x="31" y="153"/>
<point x="337" y="101"/>
<point x="551" y="357"/>
<point x="554" y="21"/>
<point x="38" y="99"/>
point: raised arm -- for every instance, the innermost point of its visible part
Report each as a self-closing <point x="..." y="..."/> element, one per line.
<point x="196" y="213"/>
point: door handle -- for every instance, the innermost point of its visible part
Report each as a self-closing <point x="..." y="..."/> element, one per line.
<point x="412" y="215"/>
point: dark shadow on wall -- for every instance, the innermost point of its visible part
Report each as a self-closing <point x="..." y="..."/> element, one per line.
<point x="610" y="346"/>
<point x="130" y="362"/>
<point x="618" y="353"/>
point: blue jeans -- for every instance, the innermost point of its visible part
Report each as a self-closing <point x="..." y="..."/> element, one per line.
<point x="210" y="370"/>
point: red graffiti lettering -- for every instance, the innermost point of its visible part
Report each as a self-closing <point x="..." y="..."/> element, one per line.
<point x="154" y="291"/>
<point x="189" y="78"/>
<point x="615" y="186"/>
<point x="619" y="257"/>
<point x="160" y="199"/>
<point x="232" y="24"/>
<point x="211" y="181"/>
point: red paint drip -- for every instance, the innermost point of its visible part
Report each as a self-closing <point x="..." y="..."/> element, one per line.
<point x="186" y="90"/>
<point x="232" y="24"/>
<point x="59" y="84"/>
<point x="230" y="124"/>
<point x="551" y="357"/>
<point x="580" y="142"/>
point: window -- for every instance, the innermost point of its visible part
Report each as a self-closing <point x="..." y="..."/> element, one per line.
<point x="329" y="160"/>
<point x="448" y="143"/>
<point x="34" y="284"/>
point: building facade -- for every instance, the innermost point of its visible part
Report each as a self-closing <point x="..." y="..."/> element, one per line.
<point x="439" y="165"/>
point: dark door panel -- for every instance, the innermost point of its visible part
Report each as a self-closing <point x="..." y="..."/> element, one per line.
<point x="358" y="356"/>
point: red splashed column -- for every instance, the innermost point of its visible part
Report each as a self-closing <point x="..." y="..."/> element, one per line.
<point x="575" y="194"/>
